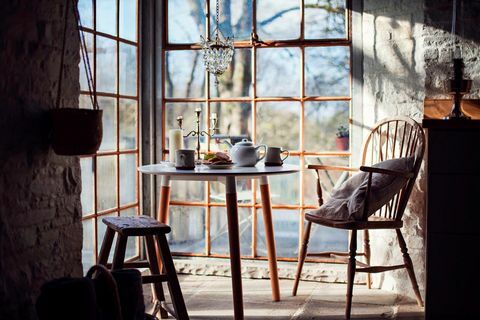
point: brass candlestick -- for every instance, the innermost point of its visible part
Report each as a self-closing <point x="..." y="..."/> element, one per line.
<point x="198" y="132"/>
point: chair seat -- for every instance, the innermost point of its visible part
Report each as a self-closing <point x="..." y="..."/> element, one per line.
<point x="373" y="223"/>
<point x="136" y="225"/>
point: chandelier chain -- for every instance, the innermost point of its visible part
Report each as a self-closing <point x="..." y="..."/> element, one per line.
<point x="217" y="18"/>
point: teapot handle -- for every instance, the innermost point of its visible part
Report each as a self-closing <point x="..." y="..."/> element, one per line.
<point x="264" y="153"/>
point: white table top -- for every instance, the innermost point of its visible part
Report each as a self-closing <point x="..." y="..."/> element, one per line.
<point x="258" y="171"/>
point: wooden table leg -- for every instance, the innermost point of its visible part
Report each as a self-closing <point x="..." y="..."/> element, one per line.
<point x="234" y="242"/>
<point x="164" y="200"/>
<point x="162" y="216"/>
<point x="270" y="239"/>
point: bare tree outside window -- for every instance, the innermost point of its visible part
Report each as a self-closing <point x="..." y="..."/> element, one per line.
<point x="290" y="88"/>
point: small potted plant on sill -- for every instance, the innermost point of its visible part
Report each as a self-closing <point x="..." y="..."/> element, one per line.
<point x="343" y="138"/>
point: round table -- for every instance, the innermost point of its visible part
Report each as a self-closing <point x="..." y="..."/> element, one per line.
<point x="229" y="178"/>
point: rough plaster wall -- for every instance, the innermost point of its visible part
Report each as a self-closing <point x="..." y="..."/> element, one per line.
<point x="438" y="45"/>
<point x="394" y="81"/>
<point x="40" y="228"/>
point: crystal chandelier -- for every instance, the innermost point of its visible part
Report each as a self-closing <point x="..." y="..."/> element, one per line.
<point x="217" y="53"/>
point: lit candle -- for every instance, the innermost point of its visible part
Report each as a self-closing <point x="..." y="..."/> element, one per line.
<point x="175" y="137"/>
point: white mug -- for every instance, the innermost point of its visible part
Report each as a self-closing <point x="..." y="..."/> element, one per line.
<point x="185" y="159"/>
<point x="273" y="156"/>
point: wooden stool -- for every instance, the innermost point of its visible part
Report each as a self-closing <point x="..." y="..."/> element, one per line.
<point x="149" y="228"/>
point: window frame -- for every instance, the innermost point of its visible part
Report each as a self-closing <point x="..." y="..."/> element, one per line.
<point x="97" y="214"/>
<point x="161" y="151"/>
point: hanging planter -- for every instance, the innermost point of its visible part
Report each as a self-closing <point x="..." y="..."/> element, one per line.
<point x="76" y="131"/>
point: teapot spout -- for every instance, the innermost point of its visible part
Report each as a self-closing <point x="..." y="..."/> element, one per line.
<point x="224" y="138"/>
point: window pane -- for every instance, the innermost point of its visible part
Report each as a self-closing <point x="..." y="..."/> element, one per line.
<point x="234" y="119"/>
<point x="128" y="69"/>
<point x="237" y="79"/>
<point x="86" y="165"/>
<point x="278" y="19"/>
<point x="85" y="8"/>
<point x="329" y="179"/>
<point x="128" y="19"/>
<point x="188" y="191"/>
<point x="107" y="182"/>
<point x="328" y="239"/>
<point x="327" y="71"/>
<point x="132" y="242"/>
<point x="272" y="127"/>
<point x="188" y="229"/>
<point x="322" y="125"/>
<point x="106" y="65"/>
<point x="102" y="227"/>
<point x="106" y="16"/>
<point x="109" y="139"/>
<point x="285" y="226"/>
<point x="244" y="191"/>
<point x="235" y="18"/>
<point x="128" y="124"/>
<point x="219" y="231"/>
<point x="186" y="21"/>
<point x="88" y="248"/>
<point x="285" y="188"/>
<point x="187" y="110"/>
<point x="83" y="75"/>
<point x="325" y="19"/>
<point x="184" y="74"/>
<point x="128" y="178"/>
<point x="84" y="102"/>
<point x="278" y="72"/>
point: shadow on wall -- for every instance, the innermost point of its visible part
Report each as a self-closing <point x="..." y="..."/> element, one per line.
<point x="40" y="210"/>
<point x="407" y="49"/>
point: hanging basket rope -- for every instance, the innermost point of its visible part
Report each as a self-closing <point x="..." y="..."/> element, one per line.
<point x="76" y="131"/>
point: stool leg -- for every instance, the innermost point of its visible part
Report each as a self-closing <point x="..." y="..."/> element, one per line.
<point x="106" y="246"/>
<point x="173" y="285"/>
<point x="119" y="255"/>
<point x="155" y="269"/>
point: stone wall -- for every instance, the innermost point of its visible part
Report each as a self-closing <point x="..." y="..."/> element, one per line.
<point x="394" y="82"/>
<point x="40" y="228"/>
<point x="438" y="45"/>
<point x="407" y="49"/>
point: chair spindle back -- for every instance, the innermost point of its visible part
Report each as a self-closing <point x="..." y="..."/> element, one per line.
<point x="394" y="138"/>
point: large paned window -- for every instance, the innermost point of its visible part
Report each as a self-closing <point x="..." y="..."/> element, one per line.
<point x="109" y="179"/>
<point x="289" y="85"/>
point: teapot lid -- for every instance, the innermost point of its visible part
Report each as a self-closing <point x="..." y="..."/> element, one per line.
<point x="244" y="143"/>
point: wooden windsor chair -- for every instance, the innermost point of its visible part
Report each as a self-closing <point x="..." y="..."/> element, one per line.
<point x="391" y="138"/>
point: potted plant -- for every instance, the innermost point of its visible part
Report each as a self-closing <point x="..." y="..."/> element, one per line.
<point x="343" y="138"/>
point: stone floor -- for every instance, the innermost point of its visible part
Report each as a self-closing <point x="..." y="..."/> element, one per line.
<point x="210" y="297"/>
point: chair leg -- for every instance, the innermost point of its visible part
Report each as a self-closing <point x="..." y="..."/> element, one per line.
<point x="106" y="246"/>
<point x="157" y="287"/>
<point x="119" y="254"/>
<point x="301" y="257"/>
<point x="351" y="272"/>
<point x="173" y="285"/>
<point x="409" y="266"/>
<point x="366" y="249"/>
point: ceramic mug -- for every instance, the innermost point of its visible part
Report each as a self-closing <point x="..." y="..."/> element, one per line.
<point x="274" y="156"/>
<point x="185" y="159"/>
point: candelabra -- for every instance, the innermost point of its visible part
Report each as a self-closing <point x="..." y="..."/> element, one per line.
<point x="198" y="132"/>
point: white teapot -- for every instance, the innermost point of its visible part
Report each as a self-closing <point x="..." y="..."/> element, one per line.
<point x="245" y="154"/>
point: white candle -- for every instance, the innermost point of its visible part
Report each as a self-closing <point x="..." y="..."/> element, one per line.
<point x="175" y="138"/>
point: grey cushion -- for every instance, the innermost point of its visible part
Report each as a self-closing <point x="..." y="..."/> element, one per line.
<point x="347" y="202"/>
